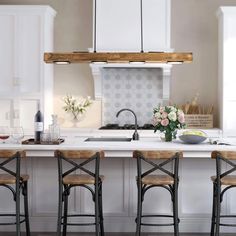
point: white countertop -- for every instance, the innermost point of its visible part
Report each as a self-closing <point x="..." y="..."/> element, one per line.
<point x="148" y="141"/>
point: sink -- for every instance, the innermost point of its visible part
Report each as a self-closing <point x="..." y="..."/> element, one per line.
<point x="108" y="139"/>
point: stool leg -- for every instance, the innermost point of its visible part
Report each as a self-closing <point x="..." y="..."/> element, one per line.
<point x="101" y="211"/>
<point x="175" y="210"/>
<point x="96" y="210"/>
<point x="218" y="207"/>
<point x="17" y="210"/>
<point x="59" y="210"/>
<point x="213" y="217"/>
<point x="25" y="193"/>
<point x="139" y="210"/>
<point x="66" y="194"/>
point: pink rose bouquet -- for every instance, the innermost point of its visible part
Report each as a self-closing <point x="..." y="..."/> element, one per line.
<point x="168" y="119"/>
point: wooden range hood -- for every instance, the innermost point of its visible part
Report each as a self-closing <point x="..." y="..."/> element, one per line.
<point x="118" y="57"/>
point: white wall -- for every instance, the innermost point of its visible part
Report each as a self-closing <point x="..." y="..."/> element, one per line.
<point x="194" y="28"/>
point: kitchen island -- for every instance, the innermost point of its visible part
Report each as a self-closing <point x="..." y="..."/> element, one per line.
<point x="195" y="192"/>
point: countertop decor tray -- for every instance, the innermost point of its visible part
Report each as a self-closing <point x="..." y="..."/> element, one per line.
<point x="31" y="142"/>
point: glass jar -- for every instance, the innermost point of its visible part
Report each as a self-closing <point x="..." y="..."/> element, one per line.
<point x="54" y="129"/>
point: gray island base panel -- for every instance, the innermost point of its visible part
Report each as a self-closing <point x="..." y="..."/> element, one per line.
<point x="195" y="192"/>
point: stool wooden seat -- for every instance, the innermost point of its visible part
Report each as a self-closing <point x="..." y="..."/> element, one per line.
<point x="167" y="179"/>
<point x="157" y="180"/>
<point x="222" y="182"/>
<point x="227" y="180"/>
<point x="90" y="180"/>
<point x="80" y="179"/>
<point x="9" y="179"/>
<point x="17" y="183"/>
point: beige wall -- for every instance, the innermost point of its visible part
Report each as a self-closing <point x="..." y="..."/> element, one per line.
<point x="194" y="28"/>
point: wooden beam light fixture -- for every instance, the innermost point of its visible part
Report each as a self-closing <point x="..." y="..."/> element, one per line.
<point x="118" y="57"/>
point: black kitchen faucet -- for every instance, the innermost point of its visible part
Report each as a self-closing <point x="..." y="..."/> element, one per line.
<point x="135" y="135"/>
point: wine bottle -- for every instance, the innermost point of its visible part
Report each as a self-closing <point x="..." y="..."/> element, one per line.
<point x="38" y="126"/>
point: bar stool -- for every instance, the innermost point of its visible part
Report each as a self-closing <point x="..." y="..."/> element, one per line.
<point x="67" y="180"/>
<point x="222" y="182"/>
<point x="168" y="180"/>
<point x="12" y="179"/>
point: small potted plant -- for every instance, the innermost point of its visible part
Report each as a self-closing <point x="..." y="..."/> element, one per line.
<point x="76" y="106"/>
<point x="168" y="119"/>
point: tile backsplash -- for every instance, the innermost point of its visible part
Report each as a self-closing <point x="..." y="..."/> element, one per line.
<point x="139" y="89"/>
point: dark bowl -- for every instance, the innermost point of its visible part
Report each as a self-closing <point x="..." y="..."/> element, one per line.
<point x="192" y="139"/>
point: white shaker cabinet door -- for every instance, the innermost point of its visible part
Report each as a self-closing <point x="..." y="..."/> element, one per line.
<point x="118" y="25"/>
<point x="18" y="112"/>
<point x="27" y="111"/>
<point x="227" y="72"/>
<point x="20" y="44"/>
<point x="28" y="53"/>
<point x="156" y="25"/>
<point x="6" y="112"/>
<point x="26" y="32"/>
<point x="7" y="53"/>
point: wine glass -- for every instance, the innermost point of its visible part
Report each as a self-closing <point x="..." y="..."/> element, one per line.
<point x="4" y="133"/>
<point x="17" y="133"/>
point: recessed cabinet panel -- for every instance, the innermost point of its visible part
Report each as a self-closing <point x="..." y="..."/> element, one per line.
<point x="195" y="195"/>
<point x="118" y="25"/>
<point x="44" y="187"/>
<point x="28" y="109"/>
<point x="156" y="25"/>
<point x="5" y="114"/>
<point x="115" y="197"/>
<point x="7" y="40"/>
<point x="29" y="53"/>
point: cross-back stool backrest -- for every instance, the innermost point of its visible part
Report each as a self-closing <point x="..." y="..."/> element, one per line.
<point x="165" y="157"/>
<point x="8" y="156"/>
<point x="87" y="156"/>
<point x="224" y="157"/>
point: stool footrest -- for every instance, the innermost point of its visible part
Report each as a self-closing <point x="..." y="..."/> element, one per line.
<point x="159" y="216"/>
<point x="171" y="216"/>
<point x="11" y="223"/>
<point x="80" y="224"/>
<point x="227" y="224"/>
<point x="227" y="216"/>
<point x="150" y="224"/>
<point x="79" y="215"/>
<point x="231" y="225"/>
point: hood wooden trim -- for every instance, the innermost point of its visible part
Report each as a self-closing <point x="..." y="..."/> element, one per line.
<point x="118" y="57"/>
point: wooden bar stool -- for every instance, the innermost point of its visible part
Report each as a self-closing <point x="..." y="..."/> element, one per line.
<point x="13" y="180"/>
<point x="168" y="179"/>
<point x="68" y="179"/>
<point x="222" y="182"/>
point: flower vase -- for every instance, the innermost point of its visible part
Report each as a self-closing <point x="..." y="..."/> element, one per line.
<point x="168" y="136"/>
<point x="75" y="121"/>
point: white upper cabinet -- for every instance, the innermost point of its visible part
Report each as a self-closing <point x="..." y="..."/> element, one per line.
<point x="118" y="25"/>
<point x="156" y="25"/>
<point x="7" y="52"/>
<point x="26" y="33"/>
<point x="227" y="72"/>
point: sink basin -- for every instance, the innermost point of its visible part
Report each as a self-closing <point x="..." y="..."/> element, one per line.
<point x="108" y="139"/>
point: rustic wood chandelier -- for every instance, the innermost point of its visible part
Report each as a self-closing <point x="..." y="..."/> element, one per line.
<point x="118" y="57"/>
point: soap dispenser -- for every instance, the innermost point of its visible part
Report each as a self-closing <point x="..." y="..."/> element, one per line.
<point x="54" y="129"/>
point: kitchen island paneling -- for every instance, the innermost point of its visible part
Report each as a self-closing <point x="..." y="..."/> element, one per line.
<point x="195" y="193"/>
